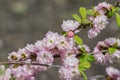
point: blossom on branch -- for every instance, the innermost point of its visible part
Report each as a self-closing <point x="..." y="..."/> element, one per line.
<point x="106" y="51"/>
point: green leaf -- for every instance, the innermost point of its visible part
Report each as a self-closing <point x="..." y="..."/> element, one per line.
<point x="117" y="8"/>
<point x="82" y="11"/>
<point x="78" y="40"/>
<point x="85" y="21"/>
<point x="83" y="58"/>
<point x="76" y="17"/>
<point x="86" y="58"/>
<point x="89" y="57"/>
<point x="111" y="12"/>
<point x="118" y="19"/>
<point x="84" y="65"/>
<point x="111" y="50"/>
<point x="89" y="12"/>
<point x="64" y="33"/>
<point x="84" y="75"/>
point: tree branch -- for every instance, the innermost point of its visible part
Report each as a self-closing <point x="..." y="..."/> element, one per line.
<point x="24" y="63"/>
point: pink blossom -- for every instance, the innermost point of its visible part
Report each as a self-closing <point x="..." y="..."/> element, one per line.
<point x="96" y="50"/>
<point x="103" y="7"/>
<point x="39" y="45"/>
<point x="67" y="54"/>
<point x="50" y="40"/>
<point x="70" y="25"/>
<point x="92" y="33"/>
<point x="100" y="46"/>
<point x="13" y="56"/>
<point x="71" y="45"/>
<point x="110" y="41"/>
<point x="71" y="61"/>
<point x="69" y="73"/>
<point x="23" y="54"/>
<point x="62" y="43"/>
<point x="100" y="22"/>
<point x="45" y="57"/>
<point x="25" y="72"/>
<point x="30" y="48"/>
<point x="70" y="34"/>
<point x="100" y="57"/>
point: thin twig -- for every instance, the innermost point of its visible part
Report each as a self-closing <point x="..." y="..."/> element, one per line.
<point x="35" y="63"/>
<point x="24" y="63"/>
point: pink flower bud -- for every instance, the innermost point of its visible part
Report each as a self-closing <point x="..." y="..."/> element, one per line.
<point x="70" y="34"/>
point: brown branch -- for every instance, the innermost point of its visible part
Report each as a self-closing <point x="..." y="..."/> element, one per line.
<point x="56" y="56"/>
<point x="35" y="63"/>
<point x="24" y="63"/>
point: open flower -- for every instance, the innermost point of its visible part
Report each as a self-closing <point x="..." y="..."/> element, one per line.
<point x="70" y="25"/>
<point x="102" y="7"/>
<point x="99" y="23"/>
<point x="68" y="73"/>
<point x="14" y="56"/>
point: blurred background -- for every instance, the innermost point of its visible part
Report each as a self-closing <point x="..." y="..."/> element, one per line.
<point x="25" y="21"/>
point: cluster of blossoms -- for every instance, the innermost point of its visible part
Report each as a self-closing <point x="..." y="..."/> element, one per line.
<point x="107" y="51"/>
<point x="69" y="70"/>
<point x="100" y="19"/>
<point x="43" y="52"/>
<point x="71" y="27"/>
